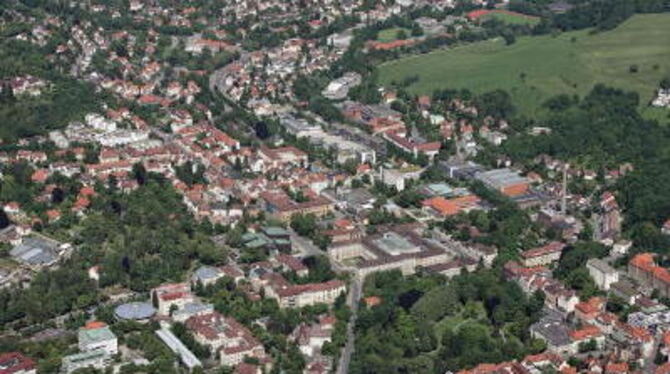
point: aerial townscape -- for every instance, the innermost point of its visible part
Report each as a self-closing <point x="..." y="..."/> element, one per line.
<point x="334" y="186"/>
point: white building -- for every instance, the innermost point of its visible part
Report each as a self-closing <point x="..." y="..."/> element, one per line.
<point x="603" y="274"/>
<point x="97" y="336"/>
<point x="97" y="359"/>
<point x="99" y="122"/>
<point x="176" y="295"/>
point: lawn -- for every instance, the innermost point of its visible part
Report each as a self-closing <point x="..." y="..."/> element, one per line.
<point x="391" y="34"/>
<point x="536" y="68"/>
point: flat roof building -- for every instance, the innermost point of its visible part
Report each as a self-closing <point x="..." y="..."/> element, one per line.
<point x="185" y="355"/>
<point x="506" y="181"/>
<point x="36" y="251"/>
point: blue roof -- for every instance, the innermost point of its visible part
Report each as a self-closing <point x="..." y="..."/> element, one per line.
<point x="206" y="272"/>
<point x="135" y="310"/>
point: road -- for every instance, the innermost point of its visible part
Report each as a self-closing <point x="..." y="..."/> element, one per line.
<point x="352" y="301"/>
<point x="307" y="248"/>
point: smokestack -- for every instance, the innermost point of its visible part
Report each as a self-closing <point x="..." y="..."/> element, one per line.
<point x="564" y="197"/>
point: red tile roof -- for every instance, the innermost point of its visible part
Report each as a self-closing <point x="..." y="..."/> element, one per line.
<point x="586" y="332"/>
<point x="15" y="362"/>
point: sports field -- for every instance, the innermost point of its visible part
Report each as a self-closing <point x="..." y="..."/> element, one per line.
<point x="391" y="34"/>
<point x="536" y="68"/>
<point x="504" y="15"/>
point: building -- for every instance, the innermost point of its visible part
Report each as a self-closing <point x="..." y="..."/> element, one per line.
<point x="38" y="251"/>
<point x="603" y="274"/>
<point x="185" y="355"/>
<point x="584" y="335"/>
<point x="554" y="331"/>
<point x="505" y="181"/>
<point x="97" y="359"/>
<point x="310" y="338"/>
<point x="568" y="227"/>
<point x="280" y="206"/>
<point x="338" y="89"/>
<point x="170" y="296"/>
<point x="206" y="275"/>
<point x="643" y="269"/>
<point x="300" y="295"/>
<point x="190" y="310"/>
<point x="399" y="247"/>
<point x="442" y="207"/>
<point x="544" y="255"/>
<point x="607" y="218"/>
<point x="290" y="263"/>
<point x="135" y="311"/>
<point x="588" y="310"/>
<point x="225" y="335"/>
<point x="430" y="150"/>
<point x="398" y="177"/>
<point x="97" y="336"/>
<point x="16" y="363"/>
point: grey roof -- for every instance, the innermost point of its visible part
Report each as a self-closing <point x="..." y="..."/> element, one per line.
<point x="500" y="178"/>
<point x="275" y="231"/>
<point x="552" y="328"/>
<point x="36" y="251"/>
<point x="186" y="356"/>
<point x="206" y="272"/>
<point x="135" y="311"/>
<point x="84" y="357"/>
<point x="194" y="308"/>
<point x="600" y="265"/>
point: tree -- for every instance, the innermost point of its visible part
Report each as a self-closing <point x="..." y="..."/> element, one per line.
<point x="304" y="224"/>
<point x="4" y="220"/>
<point x="665" y="83"/>
<point x="416" y="30"/>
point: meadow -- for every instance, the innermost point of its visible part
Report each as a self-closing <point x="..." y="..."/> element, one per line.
<point x="634" y="56"/>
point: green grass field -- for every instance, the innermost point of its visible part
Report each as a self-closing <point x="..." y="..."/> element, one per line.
<point x="536" y="68"/>
<point x="391" y="34"/>
<point x="513" y="18"/>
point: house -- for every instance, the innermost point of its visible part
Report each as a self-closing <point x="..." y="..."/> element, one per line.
<point x="666" y="227"/>
<point x="16" y="363"/>
<point x="97" y="336"/>
<point x="584" y="335"/>
<point x="588" y="310"/>
<point x="603" y="274"/>
<point x="544" y="255"/>
<point x="310" y="338"/>
<point x="290" y="263"/>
